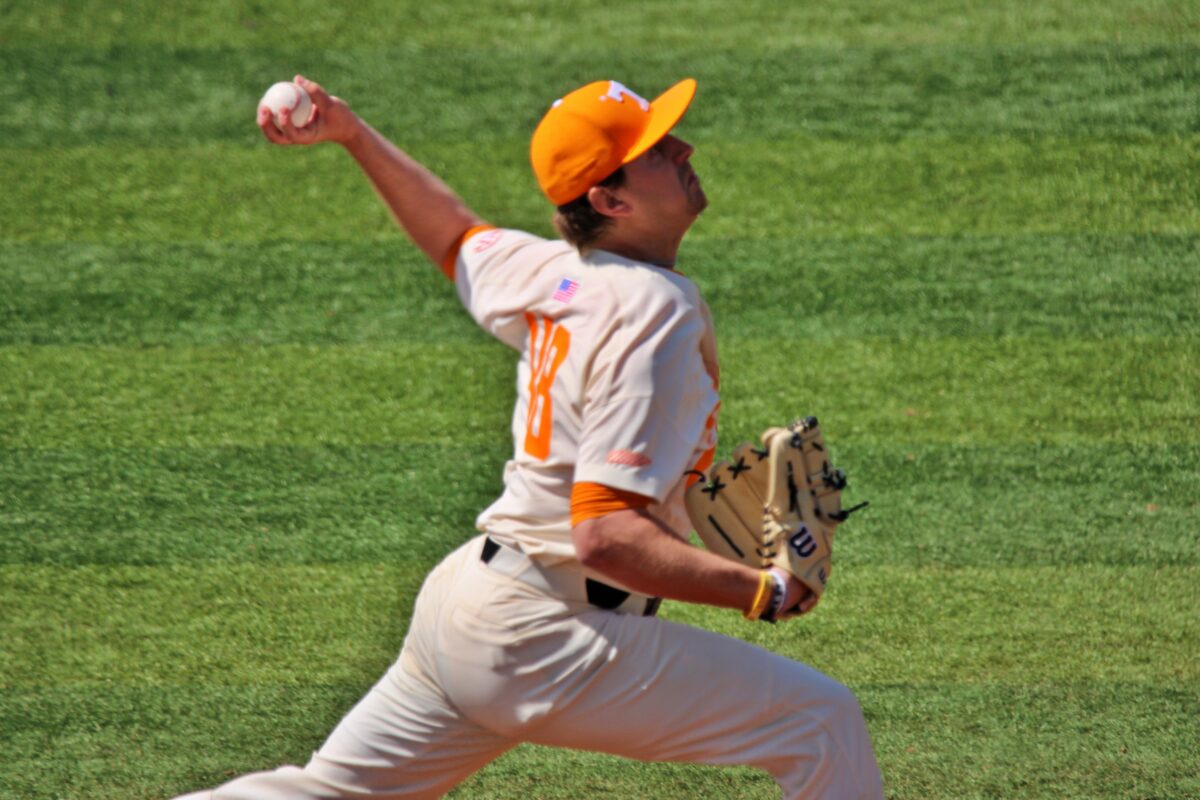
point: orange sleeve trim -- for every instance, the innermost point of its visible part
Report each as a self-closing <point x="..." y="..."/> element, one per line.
<point x="706" y="461"/>
<point x="709" y="455"/>
<point x="451" y="258"/>
<point x="591" y="500"/>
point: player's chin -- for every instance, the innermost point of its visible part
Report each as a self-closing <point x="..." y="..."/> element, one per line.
<point x="697" y="200"/>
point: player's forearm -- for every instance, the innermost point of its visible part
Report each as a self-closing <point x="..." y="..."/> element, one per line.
<point x="431" y="214"/>
<point x="636" y="550"/>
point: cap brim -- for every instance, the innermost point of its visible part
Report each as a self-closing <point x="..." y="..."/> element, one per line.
<point x="665" y="112"/>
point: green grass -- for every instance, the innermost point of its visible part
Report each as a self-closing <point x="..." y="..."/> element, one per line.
<point x="516" y="25"/>
<point x="954" y="391"/>
<point x="240" y="418"/>
<point x="1014" y="505"/>
<point x="806" y="187"/>
<point x="154" y="95"/>
<point x="352" y="292"/>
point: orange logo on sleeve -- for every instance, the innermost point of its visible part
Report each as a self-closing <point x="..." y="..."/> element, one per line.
<point x="628" y="458"/>
<point x="488" y="239"/>
<point x="548" y="344"/>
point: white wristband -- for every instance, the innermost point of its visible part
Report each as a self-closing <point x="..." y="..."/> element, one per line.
<point x="775" y="606"/>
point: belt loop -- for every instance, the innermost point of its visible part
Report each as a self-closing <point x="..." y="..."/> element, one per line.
<point x="602" y="595"/>
<point x="490" y="548"/>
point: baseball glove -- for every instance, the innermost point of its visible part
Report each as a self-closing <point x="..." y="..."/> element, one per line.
<point x="775" y="506"/>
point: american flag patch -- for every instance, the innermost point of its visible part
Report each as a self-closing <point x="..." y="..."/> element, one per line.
<point x="627" y="458"/>
<point x="566" y="290"/>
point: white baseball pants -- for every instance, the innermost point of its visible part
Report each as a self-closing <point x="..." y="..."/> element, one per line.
<point x="490" y="662"/>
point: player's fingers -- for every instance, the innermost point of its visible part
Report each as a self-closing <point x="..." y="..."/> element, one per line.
<point x="288" y="130"/>
<point x="312" y="130"/>
<point x="797" y="597"/>
<point x="319" y="96"/>
<point x="332" y="119"/>
<point x="808" y="603"/>
<point x="266" y="123"/>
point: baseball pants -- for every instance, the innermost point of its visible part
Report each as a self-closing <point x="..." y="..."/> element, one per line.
<point x="491" y="661"/>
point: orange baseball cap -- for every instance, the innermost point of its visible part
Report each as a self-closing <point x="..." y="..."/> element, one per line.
<point x="593" y="131"/>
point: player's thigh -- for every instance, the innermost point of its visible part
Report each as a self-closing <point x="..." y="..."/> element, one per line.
<point x="402" y="740"/>
<point x="406" y="739"/>
<point x="670" y="692"/>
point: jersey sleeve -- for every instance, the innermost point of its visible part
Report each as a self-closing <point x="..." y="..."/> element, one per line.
<point x="492" y="269"/>
<point x="449" y="264"/>
<point x="647" y="404"/>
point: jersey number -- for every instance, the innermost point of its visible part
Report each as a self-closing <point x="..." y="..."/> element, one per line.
<point x="548" y="345"/>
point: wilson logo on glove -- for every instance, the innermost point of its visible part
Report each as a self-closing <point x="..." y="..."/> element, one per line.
<point x="802" y="542"/>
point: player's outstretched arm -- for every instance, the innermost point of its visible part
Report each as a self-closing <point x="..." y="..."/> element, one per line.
<point x="432" y="215"/>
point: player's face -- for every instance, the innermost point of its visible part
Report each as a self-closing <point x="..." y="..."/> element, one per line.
<point x="663" y="183"/>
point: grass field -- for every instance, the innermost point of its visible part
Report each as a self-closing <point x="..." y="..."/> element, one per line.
<point x="240" y="418"/>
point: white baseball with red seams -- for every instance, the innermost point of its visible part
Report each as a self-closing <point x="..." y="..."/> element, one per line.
<point x="286" y="94"/>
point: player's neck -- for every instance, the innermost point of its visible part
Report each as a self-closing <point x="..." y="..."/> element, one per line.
<point x="661" y="252"/>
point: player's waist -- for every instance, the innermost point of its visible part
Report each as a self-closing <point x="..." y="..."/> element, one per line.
<point x="565" y="582"/>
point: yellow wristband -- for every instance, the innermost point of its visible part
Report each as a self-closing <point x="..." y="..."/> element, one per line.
<point x="765" y="585"/>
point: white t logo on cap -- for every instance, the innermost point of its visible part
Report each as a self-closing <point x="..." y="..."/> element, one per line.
<point x="619" y="91"/>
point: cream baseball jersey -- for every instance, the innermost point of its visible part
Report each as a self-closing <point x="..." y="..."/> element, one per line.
<point x="616" y="380"/>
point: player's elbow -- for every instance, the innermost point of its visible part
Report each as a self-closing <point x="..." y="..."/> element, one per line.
<point x="601" y="542"/>
<point x="593" y="547"/>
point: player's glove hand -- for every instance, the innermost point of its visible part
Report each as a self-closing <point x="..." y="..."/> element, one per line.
<point x="775" y="508"/>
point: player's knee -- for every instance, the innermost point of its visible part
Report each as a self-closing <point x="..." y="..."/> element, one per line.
<point x="826" y="752"/>
<point x="845" y="713"/>
<point x="846" y="702"/>
<point x="831" y="711"/>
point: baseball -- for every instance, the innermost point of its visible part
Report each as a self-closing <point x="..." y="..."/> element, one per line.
<point x="288" y="95"/>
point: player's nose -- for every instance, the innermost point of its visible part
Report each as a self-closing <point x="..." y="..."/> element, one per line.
<point x="683" y="150"/>
<point x="676" y="150"/>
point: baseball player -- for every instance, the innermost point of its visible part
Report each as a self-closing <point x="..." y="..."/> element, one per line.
<point x="542" y="628"/>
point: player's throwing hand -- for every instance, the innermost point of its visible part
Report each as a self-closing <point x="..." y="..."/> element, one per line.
<point x="332" y="120"/>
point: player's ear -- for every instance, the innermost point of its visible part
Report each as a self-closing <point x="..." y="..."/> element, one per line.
<point x="607" y="201"/>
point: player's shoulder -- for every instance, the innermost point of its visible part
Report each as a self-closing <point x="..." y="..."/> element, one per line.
<point x="636" y="289"/>
<point x="596" y="289"/>
<point x="486" y="241"/>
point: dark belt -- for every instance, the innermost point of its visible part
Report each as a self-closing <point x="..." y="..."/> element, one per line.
<point x="601" y="595"/>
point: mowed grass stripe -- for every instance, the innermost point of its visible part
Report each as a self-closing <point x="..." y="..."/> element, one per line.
<point x="512" y="28"/>
<point x="256" y="396"/>
<point x="315" y="625"/>
<point x="1020" y="504"/>
<point x="1082" y="504"/>
<point x="1036" y="740"/>
<point x="254" y="292"/>
<point x="235" y="624"/>
<point x="59" y="742"/>
<point x="795" y="187"/>
<point x="815" y="288"/>
<point x="154" y="96"/>
<point x="280" y="505"/>
<point x="1103" y="740"/>
<point x="968" y="391"/>
<point x="959" y="286"/>
<point x="953" y="187"/>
